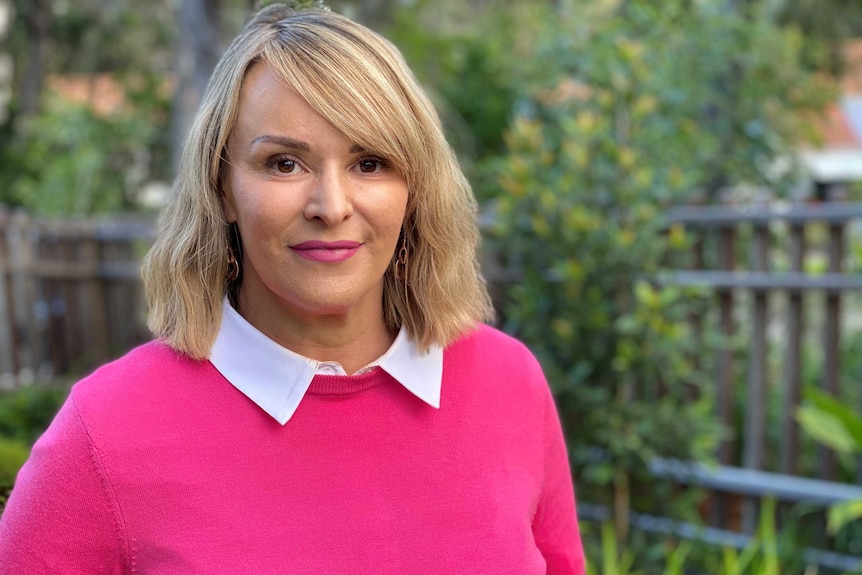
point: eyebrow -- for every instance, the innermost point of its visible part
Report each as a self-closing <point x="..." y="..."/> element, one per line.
<point x="281" y="140"/>
<point x="296" y="144"/>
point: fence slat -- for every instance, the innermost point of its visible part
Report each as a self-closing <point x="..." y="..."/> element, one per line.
<point x="64" y="284"/>
<point x="21" y="249"/>
<point x="7" y="338"/>
<point x="763" y="281"/>
<point x="754" y="442"/>
<point x="727" y="261"/>
<point x="95" y="296"/>
<point x="718" y="216"/>
<point x="789" y="447"/>
<point x="832" y="339"/>
<point x="755" y="415"/>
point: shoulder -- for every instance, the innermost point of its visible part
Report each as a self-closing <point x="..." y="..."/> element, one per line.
<point x="487" y="343"/>
<point x="154" y="356"/>
<point x="489" y="354"/>
<point x="144" y="376"/>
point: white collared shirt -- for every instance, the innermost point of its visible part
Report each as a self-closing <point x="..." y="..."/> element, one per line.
<point x="276" y="378"/>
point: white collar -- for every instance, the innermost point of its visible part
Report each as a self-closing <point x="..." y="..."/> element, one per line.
<point x="276" y="378"/>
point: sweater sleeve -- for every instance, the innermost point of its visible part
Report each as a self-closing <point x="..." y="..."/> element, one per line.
<point x="61" y="516"/>
<point x="555" y="525"/>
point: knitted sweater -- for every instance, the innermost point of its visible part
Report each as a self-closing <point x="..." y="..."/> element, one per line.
<point x="156" y="464"/>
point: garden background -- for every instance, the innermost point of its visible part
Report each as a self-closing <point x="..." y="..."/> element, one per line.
<point x="668" y="198"/>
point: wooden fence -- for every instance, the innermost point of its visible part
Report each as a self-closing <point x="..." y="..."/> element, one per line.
<point x="780" y="238"/>
<point x="70" y="294"/>
<point x="770" y="309"/>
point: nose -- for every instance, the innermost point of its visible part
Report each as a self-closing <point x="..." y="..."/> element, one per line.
<point x="329" y="200"/>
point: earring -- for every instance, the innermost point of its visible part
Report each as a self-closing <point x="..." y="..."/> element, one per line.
<point x="232" y="266"/>
<point x="234" y="253"/>
<point x="233" y="274"/>
<point x="401" y="261"/>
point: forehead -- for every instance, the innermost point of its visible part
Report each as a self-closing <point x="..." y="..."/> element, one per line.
<point x="264" y="95"/>
<point x="262" y="82"/>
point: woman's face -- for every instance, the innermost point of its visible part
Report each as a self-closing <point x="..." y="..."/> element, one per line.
<point x="319" y="216"/>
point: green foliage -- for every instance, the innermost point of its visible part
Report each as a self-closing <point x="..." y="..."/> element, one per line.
<point x="770" y="551"/>
<point x="87" y="36"/>
<point x="761" y="555"/>
<point x="470" y="71"/>
<point x="616" y="561"/>
<point x="13" y="454"/>
<point x="70" y="160"/>
<point x="26" y="412"/>
<point x="838" y="427"/>
<point x="826" y="25"/>
<point x="613" y="561"/>
<point x="61" y="157"/>
<point x="618" y="350"/>
<point x="636" y="105"/>
<point x="715" y="95"/>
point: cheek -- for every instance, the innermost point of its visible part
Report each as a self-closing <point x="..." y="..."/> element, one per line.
<point x="253" y="205"/>
<point x="241" y="203"/>
<point x="392" y="209"/>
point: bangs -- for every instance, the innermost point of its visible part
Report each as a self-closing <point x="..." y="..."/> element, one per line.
<point x="352" y="85"/>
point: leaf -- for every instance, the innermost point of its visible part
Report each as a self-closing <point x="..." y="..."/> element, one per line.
<point x="730" y="559"/>
<point x="676" y="562"/>
<point x="851" y="419"/>
<point x="646" y="294"/>
<point x="843" y="513"/>
<point x="827" y="429"/>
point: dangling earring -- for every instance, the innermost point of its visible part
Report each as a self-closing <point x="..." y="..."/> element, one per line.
<point x="233" y="274"/>
<point x="401" y="261"/>
<point x="232" y="266"/>
<point x="234" y="252"/>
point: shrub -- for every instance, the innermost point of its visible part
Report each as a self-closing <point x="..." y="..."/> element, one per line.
<point x="26" y="412"/>
<point x="637" y="105"/>
<point x="13" y="454"/>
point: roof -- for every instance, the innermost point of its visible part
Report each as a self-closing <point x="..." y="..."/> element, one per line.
<point x="839" y="157"/>
<point x="101" y="92"/>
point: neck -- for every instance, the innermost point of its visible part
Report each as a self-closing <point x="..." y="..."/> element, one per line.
<point x="351" y="339"/>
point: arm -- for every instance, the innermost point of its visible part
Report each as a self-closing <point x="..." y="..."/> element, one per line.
<point x="61" y="516"/>
<point x="555" y="525"/>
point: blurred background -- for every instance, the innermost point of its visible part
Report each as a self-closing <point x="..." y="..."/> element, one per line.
<point x="670" y="203"/>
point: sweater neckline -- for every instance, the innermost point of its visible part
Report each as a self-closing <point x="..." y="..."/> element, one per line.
<point x="323" y="384"/>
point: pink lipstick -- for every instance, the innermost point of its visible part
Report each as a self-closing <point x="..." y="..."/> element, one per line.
<point x="327" y="252"/>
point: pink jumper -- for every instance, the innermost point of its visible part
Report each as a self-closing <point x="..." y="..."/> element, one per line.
<point x="157" y="464"/>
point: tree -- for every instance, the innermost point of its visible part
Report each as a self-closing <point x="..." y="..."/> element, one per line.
<point x="198" y="48"/>
<point x="36" y="17"/>
<point x="630" y="111"/>
<point x="97" y="159"/>
<point x="825" y="26"/>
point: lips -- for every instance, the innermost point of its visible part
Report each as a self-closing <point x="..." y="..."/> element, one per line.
<point x="326" y="252"/>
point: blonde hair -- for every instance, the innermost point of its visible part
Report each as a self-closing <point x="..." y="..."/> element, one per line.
<point x="359" y="82"/>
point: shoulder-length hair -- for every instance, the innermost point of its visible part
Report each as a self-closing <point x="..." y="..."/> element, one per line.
<point x="359" y="82"/>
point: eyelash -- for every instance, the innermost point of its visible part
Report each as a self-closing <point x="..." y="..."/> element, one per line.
<point x="273" y="163"/>
<point x="381" y="163"/>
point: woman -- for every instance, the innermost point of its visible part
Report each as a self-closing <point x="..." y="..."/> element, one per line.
<point x="321" y="396"/>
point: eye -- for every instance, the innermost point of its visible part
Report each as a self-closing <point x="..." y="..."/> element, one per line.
<point x="284" y="165"/>
<point x="371" y="165"/>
